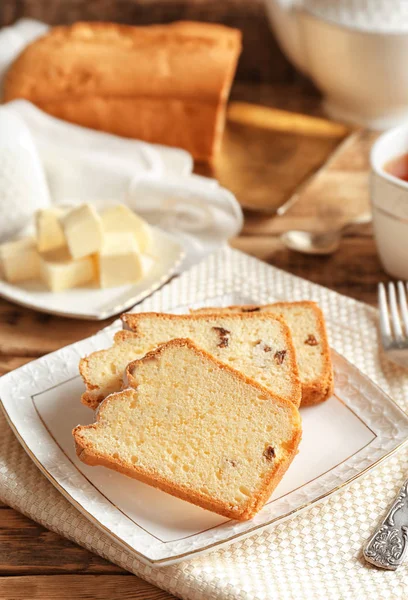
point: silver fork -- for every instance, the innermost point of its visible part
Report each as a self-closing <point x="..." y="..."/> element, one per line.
<point x="388" y="546"/>
<point x="394" y="321"/>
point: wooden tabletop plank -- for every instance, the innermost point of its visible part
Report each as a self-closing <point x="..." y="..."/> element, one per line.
<point x="26" y="332"/>
<point x="79" y="587"/>
<point x="9" y="363"/>
<point x="53" y="554"/>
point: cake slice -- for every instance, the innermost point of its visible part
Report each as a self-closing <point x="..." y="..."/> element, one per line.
<point x="306" y="322"/>
<point x="258" y="345"/>
<point x="197" y="429"/>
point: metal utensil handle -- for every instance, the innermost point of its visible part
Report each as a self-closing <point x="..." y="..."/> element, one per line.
<point x="388" y="546"/>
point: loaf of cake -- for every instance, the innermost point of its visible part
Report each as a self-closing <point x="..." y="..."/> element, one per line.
<point x="259" y="345"/>
<point x="165" y="84"/>
<point x="197" y="429"/>
<point x="307" y="325"/>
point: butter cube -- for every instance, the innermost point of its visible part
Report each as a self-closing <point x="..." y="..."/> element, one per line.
<point x="83" y="230"/>
<point x="20" y="260"/>
<point x="120" y="219"/>
<point x="61" y="272"/>
<point x="50" y="234"/>
<point x="119" y="260"/>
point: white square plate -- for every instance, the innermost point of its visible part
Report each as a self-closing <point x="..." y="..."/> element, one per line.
<point x="342" y="439"/>
<point x="91" y="302"/>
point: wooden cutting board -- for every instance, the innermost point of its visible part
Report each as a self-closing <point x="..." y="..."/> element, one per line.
<point x="336" y="193"/>
<point x="267" y="153"/>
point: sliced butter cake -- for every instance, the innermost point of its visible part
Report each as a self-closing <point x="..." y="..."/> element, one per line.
<point x="197" y="429"/>
<point x="260" y="346"/>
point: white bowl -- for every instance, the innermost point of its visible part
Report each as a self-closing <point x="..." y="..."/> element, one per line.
<point x="389" y="201"/>
<point x="355" y="51"/>
<point x="363" y="74"/>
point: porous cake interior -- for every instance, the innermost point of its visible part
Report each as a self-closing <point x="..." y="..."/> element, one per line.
<point x="308" y="335"/>
<point x="103" y="371"/>
<point x="258" y="345"/>
<point x="305" y="328"/>
<point x="196" y="425"/>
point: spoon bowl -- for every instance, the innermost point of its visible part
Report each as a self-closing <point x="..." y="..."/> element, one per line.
<point x="309" y="242"/>
<point x="324" y="242"/>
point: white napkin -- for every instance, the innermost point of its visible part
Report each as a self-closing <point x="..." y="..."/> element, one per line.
<point x="84" y="164"/>
<point x="23" y="188"/>
<point x="199" y="212"/>
<point x="156" y="181"/>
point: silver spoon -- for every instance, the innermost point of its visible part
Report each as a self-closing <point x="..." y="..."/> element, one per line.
<point x="326" y="242"/>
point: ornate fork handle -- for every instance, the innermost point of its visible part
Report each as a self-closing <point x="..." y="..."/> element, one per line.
<point x="388" y="546"/>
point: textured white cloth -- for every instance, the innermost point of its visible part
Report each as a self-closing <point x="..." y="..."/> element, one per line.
<point x="82" y="165"/>
<point x="316" y="555"/>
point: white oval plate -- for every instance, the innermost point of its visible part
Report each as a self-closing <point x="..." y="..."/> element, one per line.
<point x="343" y="438"/>
<point x="91" y="302"/>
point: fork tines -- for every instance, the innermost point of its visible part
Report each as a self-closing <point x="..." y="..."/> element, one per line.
<point x="393" y="315"/>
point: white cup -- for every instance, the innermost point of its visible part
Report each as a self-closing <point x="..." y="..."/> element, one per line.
<point x="389" y="201"/>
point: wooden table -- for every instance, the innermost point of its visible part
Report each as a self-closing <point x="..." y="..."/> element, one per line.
<point x="37" y="564"/>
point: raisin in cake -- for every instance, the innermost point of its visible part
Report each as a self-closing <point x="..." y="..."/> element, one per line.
<point x="197" y="429"/>
<point x="306" y="322"/>
<point x="258" y="345"/>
